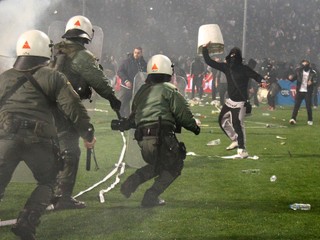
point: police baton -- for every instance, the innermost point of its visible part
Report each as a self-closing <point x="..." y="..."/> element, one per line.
<point x="88" y="163"/>
<point x="89" y="150"/>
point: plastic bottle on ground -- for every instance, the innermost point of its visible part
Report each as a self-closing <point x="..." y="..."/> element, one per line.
<point x="251" y="171"/>
<point x="300" y="206"/>
<point x="214" y="142"/>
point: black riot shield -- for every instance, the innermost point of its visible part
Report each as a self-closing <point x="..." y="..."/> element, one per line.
<point x="133" y="156"/>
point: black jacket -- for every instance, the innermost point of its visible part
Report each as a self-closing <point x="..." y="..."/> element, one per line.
<point x="241" y="74"/>
<point x="130" y="67"/>
<point x="299" y="76"/>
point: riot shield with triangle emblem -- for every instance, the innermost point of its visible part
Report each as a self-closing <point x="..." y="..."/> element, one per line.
<point x="133" y="154"/>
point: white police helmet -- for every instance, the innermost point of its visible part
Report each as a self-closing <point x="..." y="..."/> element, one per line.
<point x="79" y="27"/>
<point x="34" y="49"/>
<point x="160" y="64"/>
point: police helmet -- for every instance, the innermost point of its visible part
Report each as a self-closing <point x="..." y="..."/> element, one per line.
<point x="79" y="27"/>
<point x="160" y="64"/>
<point x="34" y="49"/>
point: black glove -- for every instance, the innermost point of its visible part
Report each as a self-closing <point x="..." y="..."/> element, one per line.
<point x="197" y="130"/>
<point x="122" y="124"/>
<point x="89" y="133"/>
<point x="114" y="102"/>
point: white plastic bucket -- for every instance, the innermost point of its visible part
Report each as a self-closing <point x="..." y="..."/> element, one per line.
<point x="210" y="32"/>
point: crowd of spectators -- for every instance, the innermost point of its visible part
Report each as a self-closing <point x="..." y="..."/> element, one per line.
<point x="284" y="30"/>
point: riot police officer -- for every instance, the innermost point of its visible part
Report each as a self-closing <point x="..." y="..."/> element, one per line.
<point x="84" y="73"/>
<point x="29" y="91"/>
<point x="158" y="110"/>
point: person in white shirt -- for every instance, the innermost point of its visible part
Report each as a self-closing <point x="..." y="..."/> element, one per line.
<point x="306" y="80"/>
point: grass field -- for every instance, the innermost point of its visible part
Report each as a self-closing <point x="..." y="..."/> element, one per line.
<point x="212" y="200"/>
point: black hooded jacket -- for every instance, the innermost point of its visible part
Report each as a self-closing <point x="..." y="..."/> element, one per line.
<point x="237" y="74"/>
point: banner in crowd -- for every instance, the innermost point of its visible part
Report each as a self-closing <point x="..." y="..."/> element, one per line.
<point x="287" y="93"/>
<point x="206" y="84"/>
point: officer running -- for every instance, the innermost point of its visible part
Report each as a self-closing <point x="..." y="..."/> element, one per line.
<point x="28" y="93"/>
<point x="84" y="73"/>
<point x="158" y="110"/>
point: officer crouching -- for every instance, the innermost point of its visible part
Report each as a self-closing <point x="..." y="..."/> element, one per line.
<point x="158" y="109"/>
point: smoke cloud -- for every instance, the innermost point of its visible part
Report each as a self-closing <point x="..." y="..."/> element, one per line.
<point x="16" y="17"/>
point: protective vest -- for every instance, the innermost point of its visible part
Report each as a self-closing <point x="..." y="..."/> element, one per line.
<point x="29" y="104"/>
<point x="162" y="99"/>
<point x="66" y="56"/>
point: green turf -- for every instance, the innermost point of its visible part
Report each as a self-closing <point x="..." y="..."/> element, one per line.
<point x="213" y="198"/>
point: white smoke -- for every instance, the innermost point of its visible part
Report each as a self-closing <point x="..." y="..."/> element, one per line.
<point x="16" y="17"/>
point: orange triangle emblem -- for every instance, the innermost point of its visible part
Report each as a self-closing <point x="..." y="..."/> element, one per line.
<point x="26" y="45"/>
<point x="154" y="67"/>
<point x="77" y="23"/>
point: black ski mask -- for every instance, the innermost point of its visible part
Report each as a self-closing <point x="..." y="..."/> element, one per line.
<point x="306" y="66"/>
<point x="234" y="57"/>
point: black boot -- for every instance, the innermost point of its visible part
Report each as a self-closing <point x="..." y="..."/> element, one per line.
<point x="66" y="202"/>
<point x="130" y="185"/>
<point x="26" y="224"/>
<point x="161" y="183"/>
<point x="151" y="199"/>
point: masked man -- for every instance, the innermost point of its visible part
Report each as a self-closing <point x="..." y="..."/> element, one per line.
<point x="231" y="118"/>
<point x="306" y="78"/>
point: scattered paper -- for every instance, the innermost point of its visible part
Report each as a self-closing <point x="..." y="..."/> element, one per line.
<point x="237" y="156"/>
<point x="191" y="154"/>
<point x="283" y="138"/>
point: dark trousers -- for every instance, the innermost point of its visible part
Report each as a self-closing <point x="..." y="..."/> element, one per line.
<point x="214" y="89"/>
<point x="315" y="96"/>
<point x="272" y="94"/>
<point x="68" y="138"/>
<point x="197" y="83"/>
<point x="38" y="154"/>
<point x="307" y="96"/>
<point x="231" y="121"/>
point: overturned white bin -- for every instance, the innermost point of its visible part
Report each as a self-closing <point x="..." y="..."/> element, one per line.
<point x="212" y="33"/>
